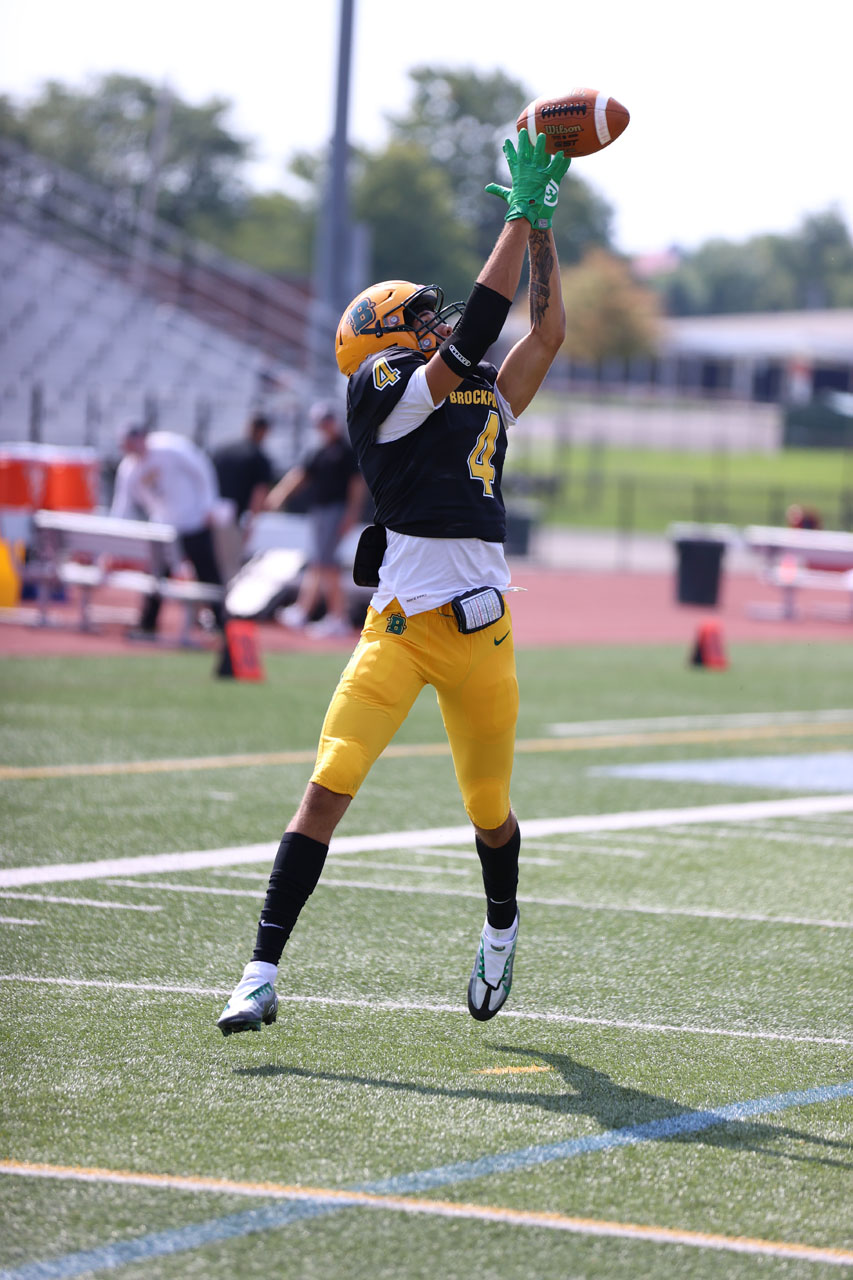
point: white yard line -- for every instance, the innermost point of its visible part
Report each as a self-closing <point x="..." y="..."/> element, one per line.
<point x="401" y="866"/>
<point x="261" y="878"/>
<point x="602" y="850"/>
<point x="402" y="1006"/>
<point x="805" y="839"/>
<point x="661" y="724"/>
<point x="838" y="823"/>
<point x="256" y="877"/>
<point x="749" y="811"/>
<point x="425" y="851"/>
<point x="76" y="902"/>
<point x="576" y="904"/>
<point x="671" y="839"/>
<point x="18" y="920"/>
<point x="219" y="891"/>
<point x="59" y="872"/>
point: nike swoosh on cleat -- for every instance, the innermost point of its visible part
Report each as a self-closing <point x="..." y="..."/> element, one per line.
<point x="503" y="637"/>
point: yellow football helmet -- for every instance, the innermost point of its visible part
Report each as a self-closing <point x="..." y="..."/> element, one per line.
<point x="390" y="314"/>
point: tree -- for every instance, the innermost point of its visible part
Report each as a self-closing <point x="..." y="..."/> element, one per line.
<point x="10" y="124"/>
<point x="460" y="118"/>
<point x="822" y="261"/>
<point x="275" y="233"/>
<point x="105" y="132"/>
<point x="420" y="199"/>
<point x="812" y="267"/>
<point x="409" y="207"/>
<point x="608" y="314"/>
<point x="722" y="278"/>
<point x="582" y="222"/>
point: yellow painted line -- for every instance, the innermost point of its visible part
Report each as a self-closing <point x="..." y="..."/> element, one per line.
<point x="157" y="766"/>
<point x="510" y="1071"/>
<point x="679" y="737"/>
<point x="440" y="1208"/>
<point x="525" y="746"/>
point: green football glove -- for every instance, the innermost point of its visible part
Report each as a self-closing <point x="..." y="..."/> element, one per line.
<point x="536" y="179"/>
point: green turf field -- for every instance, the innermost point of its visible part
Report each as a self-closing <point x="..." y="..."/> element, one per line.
<point x="645" y="490"/>
<point x="669" y="1091"/>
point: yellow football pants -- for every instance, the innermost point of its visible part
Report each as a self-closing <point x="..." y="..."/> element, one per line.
<point x="475" y="681"/>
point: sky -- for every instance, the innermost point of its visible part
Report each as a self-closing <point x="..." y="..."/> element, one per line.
<point x="740" y="111"/>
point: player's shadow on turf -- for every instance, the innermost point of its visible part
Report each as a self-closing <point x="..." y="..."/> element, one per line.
<point x="591" y="1093"/>
<point x="595" y="1093"/>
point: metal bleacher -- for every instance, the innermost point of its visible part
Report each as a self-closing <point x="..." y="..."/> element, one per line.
<point x="98" y="326"/>
<point x="80" y="333"/>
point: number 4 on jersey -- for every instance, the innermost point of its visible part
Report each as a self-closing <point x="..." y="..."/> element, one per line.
<point x="383" y="375"/>
<point x="480" y="458"/>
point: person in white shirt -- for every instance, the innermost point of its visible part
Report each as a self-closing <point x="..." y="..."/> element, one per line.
<point x="173" y="481"/>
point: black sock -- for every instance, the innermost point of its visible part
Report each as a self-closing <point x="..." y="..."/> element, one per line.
<point x="500" y="879"/>
<point x="293" y="879"/>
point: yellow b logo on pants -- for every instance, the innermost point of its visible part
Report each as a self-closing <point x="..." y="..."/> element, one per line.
<point x="396" y="624"/>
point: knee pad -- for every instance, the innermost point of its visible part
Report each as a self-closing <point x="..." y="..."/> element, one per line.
<point x="487" y="803"/>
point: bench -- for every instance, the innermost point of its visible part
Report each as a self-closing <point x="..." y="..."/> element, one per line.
<point x="89" y="577"/>
<point x="60" y="536"/>
<point x="796" y="560"/>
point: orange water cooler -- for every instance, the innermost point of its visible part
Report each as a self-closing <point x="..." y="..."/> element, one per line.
<point x="34" y="477"/>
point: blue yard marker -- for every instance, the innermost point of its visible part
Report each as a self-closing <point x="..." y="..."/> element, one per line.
<point x="163" y="1243"/>
<point x="655" y="1131"/>
<point x="180" y="1240"/>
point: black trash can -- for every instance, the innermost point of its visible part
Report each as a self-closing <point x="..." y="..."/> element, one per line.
<point x="521" y="519"/>
<point x="700" y="562"/>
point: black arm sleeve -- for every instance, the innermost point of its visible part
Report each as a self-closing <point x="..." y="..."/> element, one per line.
<point x="482" y="320"/>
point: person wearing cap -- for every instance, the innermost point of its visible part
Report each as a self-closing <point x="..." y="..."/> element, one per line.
<point x="172" y="481"/>
<point x="332" y="485"/>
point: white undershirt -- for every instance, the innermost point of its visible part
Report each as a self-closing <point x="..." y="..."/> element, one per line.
<point x="423" y="573"/>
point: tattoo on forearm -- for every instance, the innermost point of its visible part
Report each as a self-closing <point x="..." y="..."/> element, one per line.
<point x="541" y="266"/>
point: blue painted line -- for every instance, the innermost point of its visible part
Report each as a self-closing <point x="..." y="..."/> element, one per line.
<point x="162" y="1243"/>
<point x="653" y="1131"/>
<point x="818" y="771"/>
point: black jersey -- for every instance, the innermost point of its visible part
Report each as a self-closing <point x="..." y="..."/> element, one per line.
<point x="442" y="480"/>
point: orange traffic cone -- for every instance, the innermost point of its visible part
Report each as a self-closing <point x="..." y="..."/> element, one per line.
<point x="239" y="658"/>
<point x="708" y="651"/>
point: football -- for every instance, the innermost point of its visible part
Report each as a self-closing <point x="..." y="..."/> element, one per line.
<point x="578" y="124"/>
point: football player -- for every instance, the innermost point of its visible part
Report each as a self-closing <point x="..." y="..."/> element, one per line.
<point x="428" y="420"/>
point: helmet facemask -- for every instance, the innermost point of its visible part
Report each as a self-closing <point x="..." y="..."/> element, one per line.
<point x="425" y="315"/>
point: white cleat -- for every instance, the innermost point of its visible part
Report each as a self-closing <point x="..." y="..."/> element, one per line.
<point x="252" y="1002"/>
<point x="491" y="977"/>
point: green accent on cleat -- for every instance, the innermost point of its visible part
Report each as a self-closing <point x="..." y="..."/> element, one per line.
<point x="486" y="998"/>
<point x="246" y="1010"/>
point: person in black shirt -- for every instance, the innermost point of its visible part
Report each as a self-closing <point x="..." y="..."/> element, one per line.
<point x="330" y="477"/>
<point x="428" y="420"/>
<point x="243" y="469"/>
